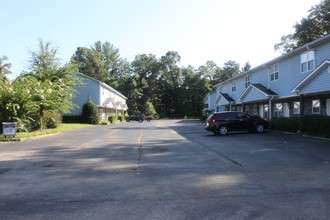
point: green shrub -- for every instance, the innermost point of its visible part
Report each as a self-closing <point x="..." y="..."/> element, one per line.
<point x="316" y="125"/>
<point x="104" y="122"/>
<point x="89" y="113"/>
<point x="112" y="118"/>
<point x="121" y="118"/>
<point x="291" y="124"/>
<point x="72" y="119"/>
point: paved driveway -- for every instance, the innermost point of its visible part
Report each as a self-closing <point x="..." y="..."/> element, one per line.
<point x="165" y="170"/>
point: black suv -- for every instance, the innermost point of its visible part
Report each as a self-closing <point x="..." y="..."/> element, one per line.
<point x="135" y="117"/>
<point x="222" y="122"/>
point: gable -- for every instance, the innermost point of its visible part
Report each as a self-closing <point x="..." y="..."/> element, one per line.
<point x="224" y="99"/>
<point x="253" y="94"/>
<point x="319" y="83"/>
<point x="256" y="92"/>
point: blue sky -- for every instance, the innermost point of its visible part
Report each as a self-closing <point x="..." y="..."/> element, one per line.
<point x="199" y="30"/>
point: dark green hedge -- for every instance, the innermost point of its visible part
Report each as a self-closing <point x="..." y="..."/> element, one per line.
<point x="314" y="125"/>
<point x="72" y="119"/>
<point x="291" y="124"/>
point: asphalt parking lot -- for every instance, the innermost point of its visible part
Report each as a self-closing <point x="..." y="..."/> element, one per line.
<point x="169" y="169"/>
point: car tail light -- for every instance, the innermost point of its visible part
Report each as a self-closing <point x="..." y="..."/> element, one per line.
<point x="212" y="120"/>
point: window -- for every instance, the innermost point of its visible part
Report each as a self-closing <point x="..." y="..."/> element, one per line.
<point x="239" y="109"/>
<point x="273" y="72"/>
<point x="296" y="108"/>
<point x="316" y="107"/>
<point x="255" y="110"/>
<point x="247" y="81"/>
<point x="247" y="109"/>
<point x="233" y="86"/>
<point x="307" y="61"/>
<point x="278" y="110"/>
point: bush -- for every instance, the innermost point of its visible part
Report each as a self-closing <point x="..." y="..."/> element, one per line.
<point x="121" y="118"/>
<point x="104" y="122"/>
<point x="112" y="118"/>
<point x="72" y="119"/>
<point x="316" y="125"/>
<point x="291" y="124"/>
<point x="89" y="113"/>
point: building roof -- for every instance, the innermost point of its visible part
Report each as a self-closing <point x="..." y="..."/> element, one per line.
<point x="311" y="76"/>
<point x="294" y="52"/>
<point x="260" y="88"/>
<point x="103" y="84"/>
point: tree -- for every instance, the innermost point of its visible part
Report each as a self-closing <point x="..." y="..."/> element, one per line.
<point x="229" y="70"/>
<point x="101" y="61"/>
<point x="52" y="84"/>
<point x="4" y="67"/>
<point x="170" y="69"/>
<point x="246" y="67"/>
<point x="211" y="72"/>
<point x="90" y="113"/>
<point x="314" y="26"/>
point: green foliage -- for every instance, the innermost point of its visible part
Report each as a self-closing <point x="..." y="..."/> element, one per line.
<point x="72" y="119"/>
<point x="90" y="113"/>
<point x="104" y="122"/>
<point x="291" y="124"/>
<point x="113" y="118"/>
<point x="4" y="67"/>
<point x="121" y="118"/>
<point x="101" y="62"/>
<point x="314" y="26"/>
<point x="316" y="125"/>
<point x="149" y="109"/>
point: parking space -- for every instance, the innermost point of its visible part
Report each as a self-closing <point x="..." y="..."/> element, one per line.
<point x="165" y="169"/>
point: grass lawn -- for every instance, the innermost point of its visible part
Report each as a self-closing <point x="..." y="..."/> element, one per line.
<point x="61" y="127"/>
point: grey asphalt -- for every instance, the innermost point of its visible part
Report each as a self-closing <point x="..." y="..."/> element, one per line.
<point x="166" y="169"/>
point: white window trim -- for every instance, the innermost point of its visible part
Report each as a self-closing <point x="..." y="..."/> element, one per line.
<point x="296" y="111"/>
<point x="274" y="73"/>
<point x="233" y="86"/>
<point x="247" y="81"/>
<point x="319" y="103"/>
<point x="310" y="57"/>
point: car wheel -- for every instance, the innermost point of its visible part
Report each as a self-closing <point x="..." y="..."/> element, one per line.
<point x="127" y="120"/>
<point x="260" y="128"/>
<point x="223" y="130"/>
<point x="140" y="120"/>
<point x="148" y="120"/>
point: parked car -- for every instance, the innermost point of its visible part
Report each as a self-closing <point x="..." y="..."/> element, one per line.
<point x="223" y="122"/>
<point x="149" y="118"/>
<point x="139" y="118"/>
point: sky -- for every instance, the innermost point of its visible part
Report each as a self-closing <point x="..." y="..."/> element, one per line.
<point x="199" y="30"/>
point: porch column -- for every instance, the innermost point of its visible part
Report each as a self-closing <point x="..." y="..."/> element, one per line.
<point x="302" y="106"/>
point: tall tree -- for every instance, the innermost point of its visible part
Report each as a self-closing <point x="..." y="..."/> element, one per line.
<point x="230" y="69"/>
<point x="315" y="25"/>
<point x="101" y="61"/>
<point x="4" y="67"/>
<point x="53" y="83"/>
<point x="211" y="72"/>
